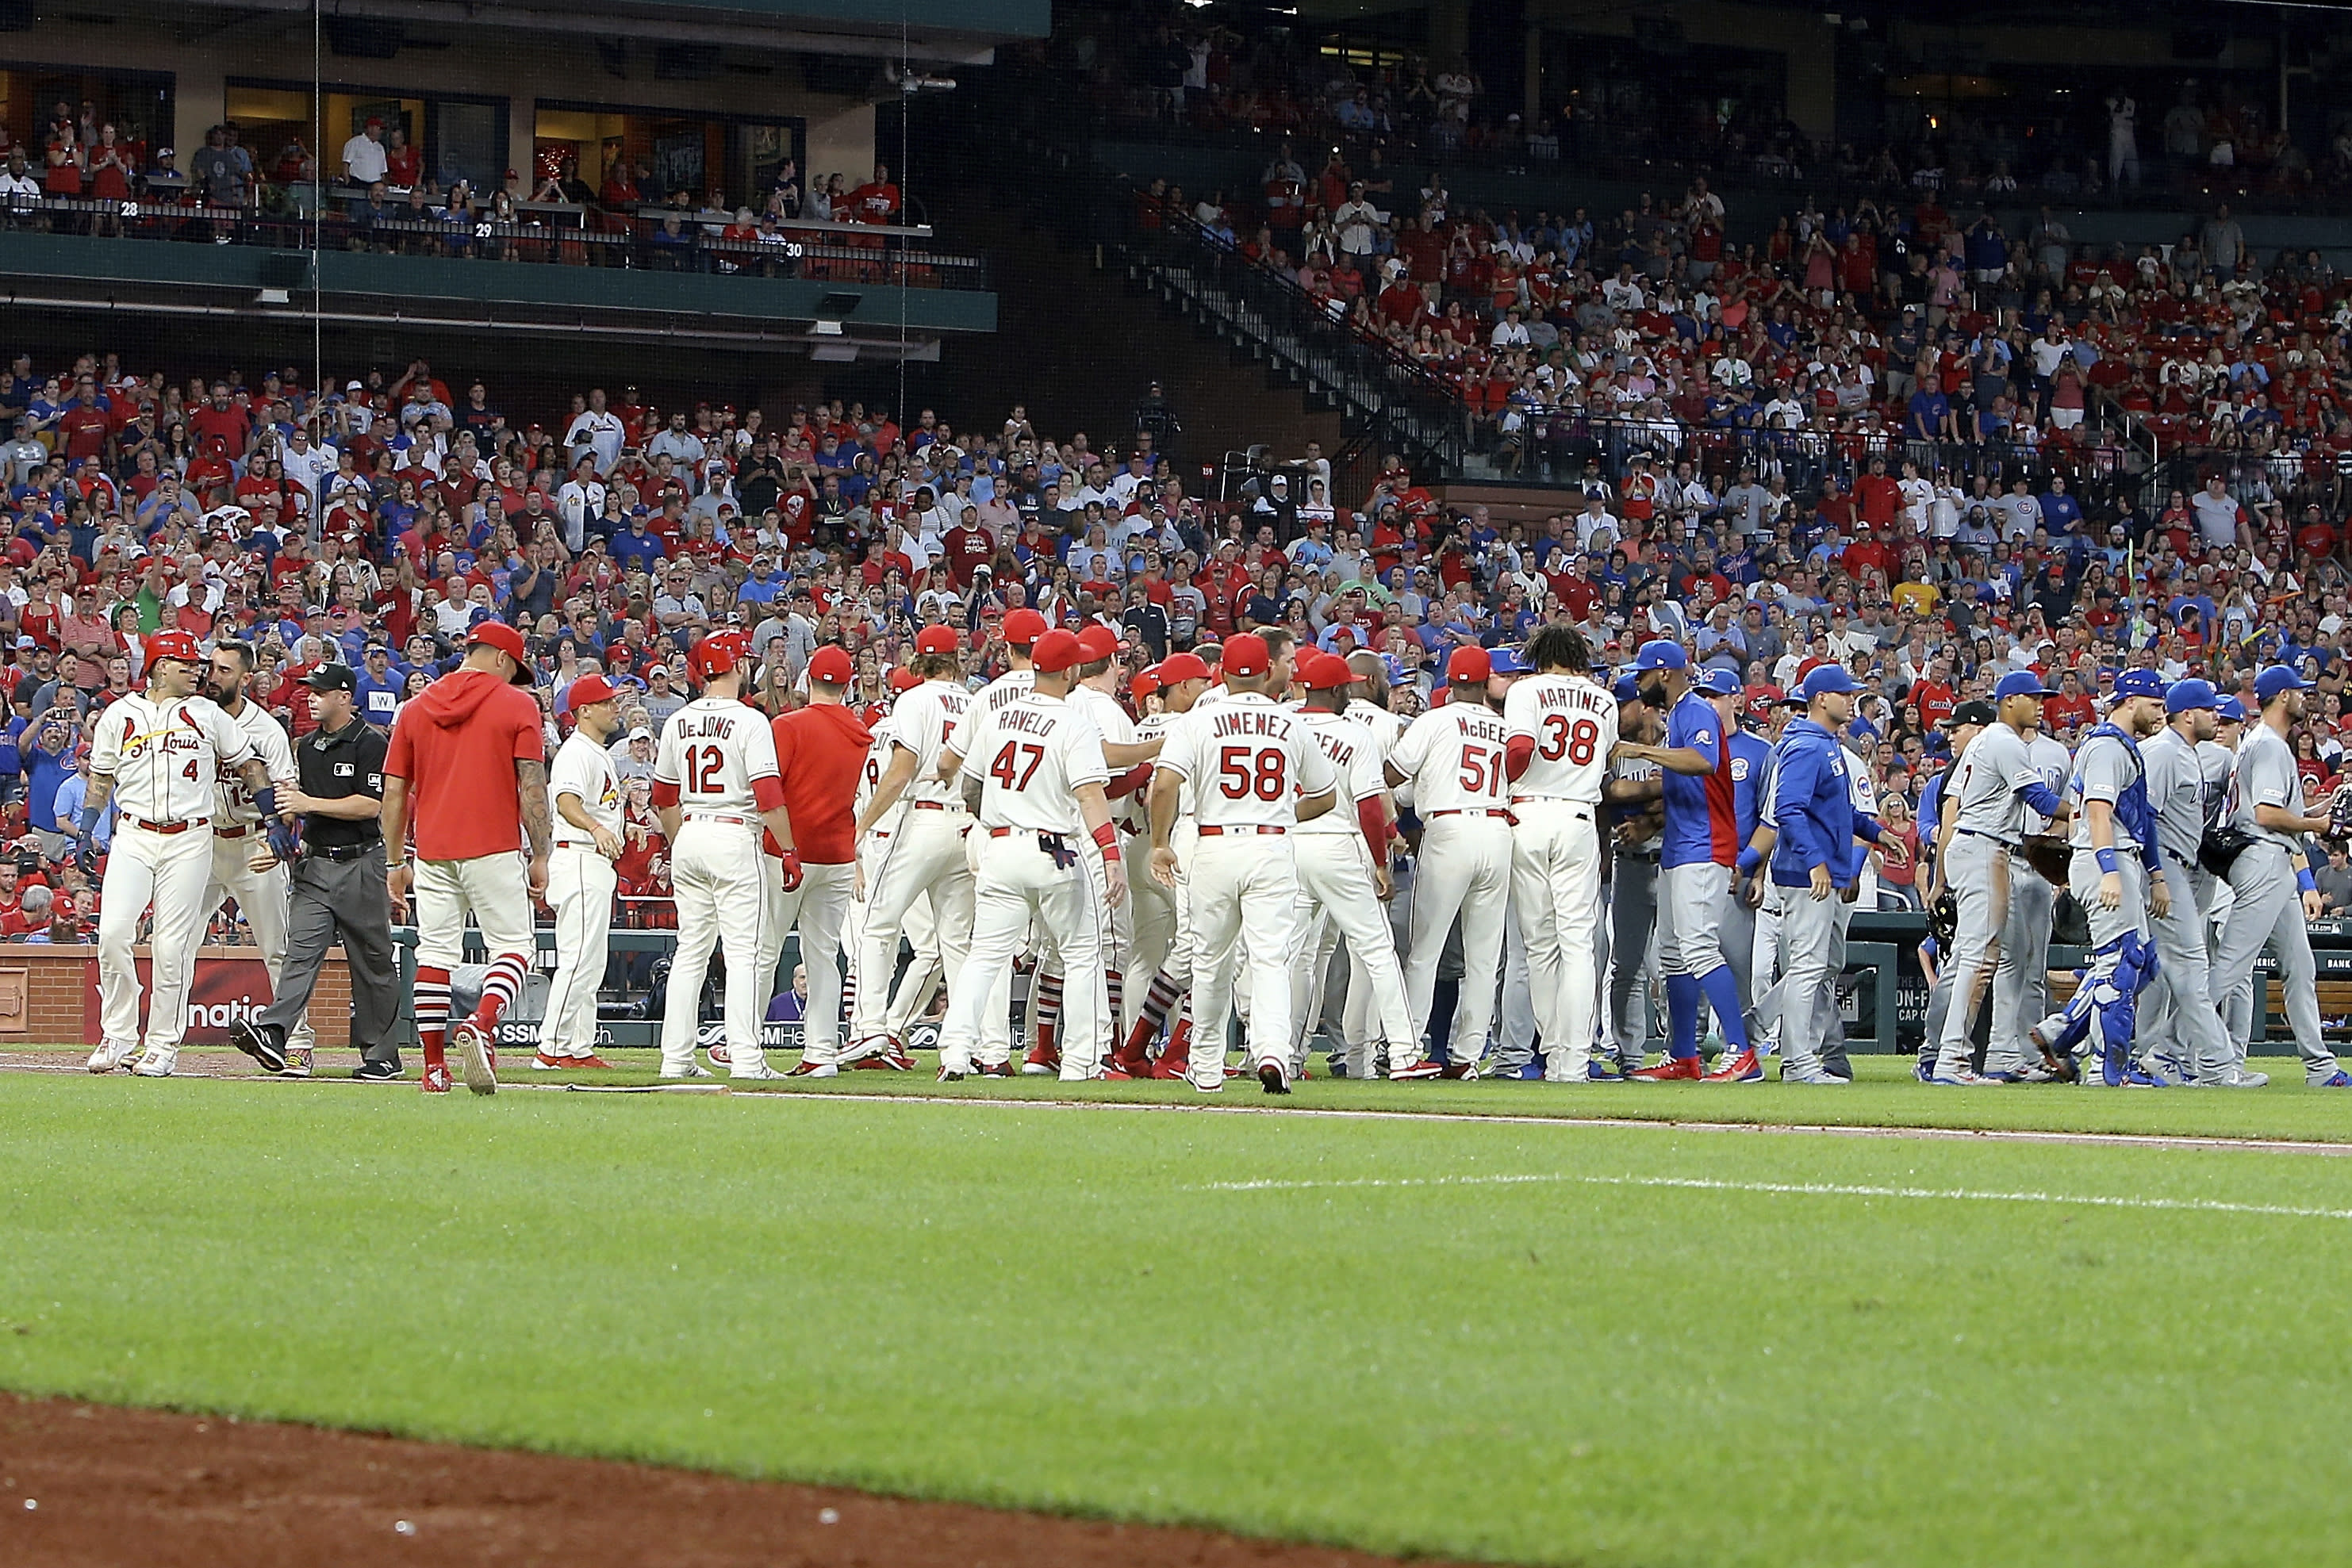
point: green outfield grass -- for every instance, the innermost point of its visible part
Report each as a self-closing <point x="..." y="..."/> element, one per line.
<point x="1633" y="1345"/>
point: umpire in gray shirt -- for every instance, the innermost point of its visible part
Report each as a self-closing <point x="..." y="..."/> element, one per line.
<point x="338" y="884"/>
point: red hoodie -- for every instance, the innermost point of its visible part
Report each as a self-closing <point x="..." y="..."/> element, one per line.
<point x="820" y="751"/>
<point x="458" y="744"/>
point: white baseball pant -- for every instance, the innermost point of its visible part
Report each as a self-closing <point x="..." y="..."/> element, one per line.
<point x="263" y="897"/>
<point x="1244" y="888"/>
<point x="580" y="884"/>
<point x="1465" y="870"/>
<point x="1018" y="882"/>
<point x="169" y="871"/>
<point x="927" y="854"/>
<point x="494" y="889"/>
<point x="820" y="907"/>
<point x="1151" y="930"/>
<point x="718" y="876"/>
<point x="1556" y="889"/>
<point x="1335" y="887"/>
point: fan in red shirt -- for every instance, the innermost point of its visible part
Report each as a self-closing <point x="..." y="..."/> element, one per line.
<point x="1933" y="696"/>
<point x="221" y="426"/>
<point x="820" y="751"/>
<point x="966" y="546"/>
<point x="467" y="766"/>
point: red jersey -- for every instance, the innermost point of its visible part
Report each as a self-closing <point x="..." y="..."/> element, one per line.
<point x="820" y="751"/>
<point x="457" y="745"/>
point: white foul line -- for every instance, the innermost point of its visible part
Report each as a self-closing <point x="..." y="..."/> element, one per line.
<point x="1808" y="1190"/>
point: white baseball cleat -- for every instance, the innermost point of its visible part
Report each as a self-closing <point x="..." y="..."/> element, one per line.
<point x="481" y="1058"/>
<point x="157" y="1064"/>
<point x="112" y="1057"/>
<point x="691" y="1069"/>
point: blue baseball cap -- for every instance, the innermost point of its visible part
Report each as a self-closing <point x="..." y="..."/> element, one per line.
<point x="2231" y="708"/>
<point x="2142" y="684"/>
<point x="2193" y="692"/>
<point x="1628" y="689"/>
<point x="1826" y="678"/>
<point x="1719" y="681"/>
<point x="2021" y="683"/>
<point x="1660" y="654"/>
<point x="1506" y="661"/>
<point x="2277" y="678"/>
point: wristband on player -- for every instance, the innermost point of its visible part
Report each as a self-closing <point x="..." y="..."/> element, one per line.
<point x="1106" y="837"/>
<point x="2107" y="860"/>
<point x="87" y="821"/>
<point x="2305" y="883"/>
<point x="1749" y="859"/>
<point x="265" y="801"/>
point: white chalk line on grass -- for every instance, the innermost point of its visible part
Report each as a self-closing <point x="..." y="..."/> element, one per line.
<point x="1789" y="1189"/>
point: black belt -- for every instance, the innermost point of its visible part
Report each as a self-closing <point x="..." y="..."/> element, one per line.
<point x="1996" y="838"/>
<point x="340" y="853"/>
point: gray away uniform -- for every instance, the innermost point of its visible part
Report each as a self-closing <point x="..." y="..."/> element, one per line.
<point x="1981" y="799"/>
<point x="2180" y="1031"/>
<point x="2267" y="909"/>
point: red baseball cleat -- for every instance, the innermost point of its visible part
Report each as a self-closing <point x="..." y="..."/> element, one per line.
<point x="1172" y="1065"/>
<point x="1741" y="1068"/>
<point x="1672" y="1068"/>
<point x="1044" y="1060"/>
<point x="589" y="1063"/>
<point x="1427" y="1067"/>
<point x="435" y="1080"/>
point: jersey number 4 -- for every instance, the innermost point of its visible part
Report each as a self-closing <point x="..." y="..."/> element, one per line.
<point x="1007" y="769"/>
<point x="1242" y="771"/>
<point x="1576" y="742"/>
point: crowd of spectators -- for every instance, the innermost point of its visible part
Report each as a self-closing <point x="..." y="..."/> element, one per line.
<point x="379" y="193"/>
<point x="376" y="522"/>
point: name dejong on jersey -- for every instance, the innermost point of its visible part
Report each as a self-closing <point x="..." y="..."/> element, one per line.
<point x="1249" y="762"/>
<point x="1571" y="722"/>
<point x="712" y="748"/>
<point x="1031" y="759"/>
<point x="1457" y="757"/>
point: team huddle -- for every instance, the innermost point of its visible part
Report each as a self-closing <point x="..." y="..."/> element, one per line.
<point x="1162" y="871"/>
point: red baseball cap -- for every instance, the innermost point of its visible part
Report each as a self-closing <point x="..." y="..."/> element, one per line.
<point x="506" y="640"/>
<point x="1098" y="641"/>
<point x="1468" y="664"/>
<point x="1024" y="626"/>
<point x="1324" y="673"/>
<point x="1247" y="654"/>
<point x="832" y="666"/>
<point x="588" y="691"/>
<point x="1054" y="652"/>
<point x="1145" y="682"/>
<point x="718" y="653"/>
<point x="180" y="646"/>
<point x="938" y="640"/>
<point x="903" y="679"/>
<point x="1178" y="667"/>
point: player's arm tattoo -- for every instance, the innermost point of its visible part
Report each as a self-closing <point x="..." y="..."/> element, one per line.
<point x="531" y="775"/>
<point x="100" y="791"/>
<point x="255" y="773"/>
<point x="971" y="787"/>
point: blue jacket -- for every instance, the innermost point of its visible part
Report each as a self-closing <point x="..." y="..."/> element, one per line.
<point x="1814" y="802"/>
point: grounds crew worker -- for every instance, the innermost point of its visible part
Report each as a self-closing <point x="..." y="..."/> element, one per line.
<point x="338" y="884"/>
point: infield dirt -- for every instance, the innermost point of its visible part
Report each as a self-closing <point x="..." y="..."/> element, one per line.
<point x="112" y="1486"/>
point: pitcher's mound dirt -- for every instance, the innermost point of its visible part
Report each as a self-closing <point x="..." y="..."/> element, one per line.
<point x="110" y="1486"/>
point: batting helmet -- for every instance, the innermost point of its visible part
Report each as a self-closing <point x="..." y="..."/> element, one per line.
<point x="180" y="646"/>
<point x="717" y="654"/>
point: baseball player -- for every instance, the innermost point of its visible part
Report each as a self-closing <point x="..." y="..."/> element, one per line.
<point x="819" y="750"/>
<point x="1182" y="679"/>
<point x="2183" y="1019"/>
<point x="1368" y="704"/>
<point x="914" y="989"/>
<point x="1696" y="864"/>
<point x="2263" y="880"/>
<point x="2021" y="978"/>
<point x="1814" y="858"/>
<point x="925" y="854"/>
<point x="1456" y="758"/>
<point x="2118" y="880"/>
<point x="1034" y="779"/>
<point x="1341" y="858"/>
<point x="2219" y="761"/>
<point x="1561" y="728"/>
<point x="1990" y="786"/>
<point x="1635" y="794"/>
<point x="244" y="864"/>
<point x="158" y="756"/>
<point x="1751" y="762"/>
<point x="1128" y="756"/>
<point x="1257" y="774"/>
<point x="581" y="878"/>
<point x="715" y="785"/>
<point x="467" y="767"/>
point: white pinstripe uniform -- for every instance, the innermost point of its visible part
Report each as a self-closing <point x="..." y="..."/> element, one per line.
<point x="580" y="887"/>
<point x="238" y="835"/>
<point x="925" y="855"/>
<point x="714" y="750"/>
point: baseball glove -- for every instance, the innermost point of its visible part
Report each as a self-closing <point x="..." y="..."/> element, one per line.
<point x="1944" y="920"/>
<point x="2339" y="813"/>
<point x="2051" y="855"/>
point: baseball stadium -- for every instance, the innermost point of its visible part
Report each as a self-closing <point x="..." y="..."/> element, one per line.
<point x="1174" y="783"/>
